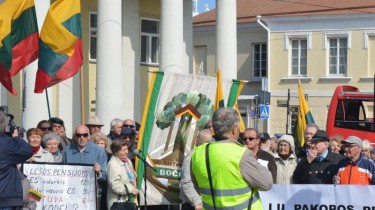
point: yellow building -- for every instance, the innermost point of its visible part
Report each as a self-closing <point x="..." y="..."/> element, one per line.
<point x="324" y="44"/>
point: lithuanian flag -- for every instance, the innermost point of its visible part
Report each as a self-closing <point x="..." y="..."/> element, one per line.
<point x="219" y="99"/>
<point x="60" y="46"/>
<point x="234" y="92"/>
<point x="304" y="117"/>
<point x="18" y="39"/>
<point x="34" y="194"/>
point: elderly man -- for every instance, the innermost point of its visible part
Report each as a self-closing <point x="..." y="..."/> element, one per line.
<point x="84" y="151"/>
<point x="310" y="131"/>
<point x="94" y="124"/>
<point x="320" y="165"/>
<point x="188" y="194"/>
<point x="251" y="139"/>
<point x="355" y="168"/>
<point x="12" y="151"/>
<point x="286" y="160"/>
<point x="116" y="128"/>
<point x="226" y="166"/>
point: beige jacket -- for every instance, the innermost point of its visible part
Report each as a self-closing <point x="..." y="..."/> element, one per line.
<point x="116" y="179"/>
<point x="285" y="169"/>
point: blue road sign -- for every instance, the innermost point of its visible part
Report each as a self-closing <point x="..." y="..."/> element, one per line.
<point x="264" y="111"/>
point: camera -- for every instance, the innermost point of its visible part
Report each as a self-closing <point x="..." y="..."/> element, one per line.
<point x="11" y="127"/>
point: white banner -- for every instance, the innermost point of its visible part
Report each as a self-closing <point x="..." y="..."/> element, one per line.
<point x="319" y="197"/>
<point x="65" y="187"/>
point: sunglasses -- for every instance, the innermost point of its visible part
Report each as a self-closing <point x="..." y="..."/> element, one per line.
<point x="79" y="135"/>
<point x="128" y="126"/>
<point x="249" y="138"/>
<point x="45" y="128"/>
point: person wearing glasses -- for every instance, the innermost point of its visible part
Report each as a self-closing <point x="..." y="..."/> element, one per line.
<point x="45" y="126"/>
<point x="129" y="135"/>
<point x="116" y="128"/>
<point x="94" y="125"/>
<point x="355" y="168"/>
<point x="320" y="165"/>
<point x="251" y="139"/>
<point x="86" y="152"/>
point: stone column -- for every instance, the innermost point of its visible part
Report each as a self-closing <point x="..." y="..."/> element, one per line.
<point x="171" y="37"/>
<point x="109" y="76"/>
<point x="226" y="37"/>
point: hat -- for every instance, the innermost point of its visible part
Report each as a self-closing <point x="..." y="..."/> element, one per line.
<point x="354" y="140"/>
<point x="287" y="138"/>
<point x="264" y="136"/>
<point x="127" y="132"/>
<point x="56" y="120"/>
<point x="94" y="120"/>
<point x="319" y="136"/>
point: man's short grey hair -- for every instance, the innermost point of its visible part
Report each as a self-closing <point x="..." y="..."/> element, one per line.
<point x="312" y="125"/>
<point x="3" y="122"/>
<point x="224" y="119"/>
<point x="114" y="122"/>
<point x="203" y="134"/>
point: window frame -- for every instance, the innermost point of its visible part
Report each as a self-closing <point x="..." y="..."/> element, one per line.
<point x="299" y="57"/>
<point x="260" y="61"/>
<point x="149" y="36"/>
<point x="92" y="29"/>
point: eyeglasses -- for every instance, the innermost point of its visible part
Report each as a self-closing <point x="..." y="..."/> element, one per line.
<point x="127" y="137"/>
<point x="248" y="138"/>
<point x="79" y="135"/>
<point x="128" y="126"/>
<point x="45" y="128"/>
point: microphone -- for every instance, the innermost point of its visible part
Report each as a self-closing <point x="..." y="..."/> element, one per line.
<point x="137" y="152"/>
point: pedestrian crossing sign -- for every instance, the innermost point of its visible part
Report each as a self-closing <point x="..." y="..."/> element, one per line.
<point x="264" y="111"/>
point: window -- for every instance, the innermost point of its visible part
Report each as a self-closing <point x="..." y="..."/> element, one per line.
<point x="260" y="60"/>
<point x="299" y="57"/>
<point x="149" y="41"/>
<point x="338" y="56"/>
<point x="93" y="29"/>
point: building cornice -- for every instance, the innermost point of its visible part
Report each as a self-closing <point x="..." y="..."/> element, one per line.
<point x="321" y="22"/>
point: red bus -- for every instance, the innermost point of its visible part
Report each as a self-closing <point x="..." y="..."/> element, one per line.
<point x="348" y="113"/>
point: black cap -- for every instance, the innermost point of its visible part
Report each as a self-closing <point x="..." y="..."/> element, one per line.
<point x="320" y="135"/>
<point x="56" y="120"/>
<point x="264" y="136"/>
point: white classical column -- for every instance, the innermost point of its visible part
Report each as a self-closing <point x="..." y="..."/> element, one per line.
<point x="188" y="36"/>
<point x="131" y="60"/>
<point x="109" y="76"/>
<point x="226" y="38"/>
<point x="35" y="104"/>
<point x="171" y="37"/>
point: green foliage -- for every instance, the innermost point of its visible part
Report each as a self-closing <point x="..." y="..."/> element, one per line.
<point x="201" y="102"/>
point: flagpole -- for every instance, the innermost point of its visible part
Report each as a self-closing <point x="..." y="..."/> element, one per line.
<point x="49" y="111"/>
<point x="82" y="95"/>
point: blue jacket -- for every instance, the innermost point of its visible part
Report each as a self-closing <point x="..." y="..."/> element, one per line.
<point x="12" y="152"/>
<point x="90" y="155"/>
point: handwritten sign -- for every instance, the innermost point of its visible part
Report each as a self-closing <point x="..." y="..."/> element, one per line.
<point x="64" y="187"/>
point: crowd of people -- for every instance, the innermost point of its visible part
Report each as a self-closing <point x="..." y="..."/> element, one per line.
<point x="224" y="161"/>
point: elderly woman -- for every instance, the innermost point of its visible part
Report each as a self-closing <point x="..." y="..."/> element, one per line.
<point x="101" y="140"/>
<point x="120" y="173"/>
<point x="34" y="138"/>
<point x="52" y="141"/>
<point x="335" y="144"/>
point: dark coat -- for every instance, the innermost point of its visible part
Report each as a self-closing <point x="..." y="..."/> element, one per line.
<point x="12" y="152"/>
<point x="261" y="154"/>
<point x="317" y="172"/>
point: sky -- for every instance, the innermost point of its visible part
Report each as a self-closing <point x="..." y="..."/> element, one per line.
<point x="201" y="3"/>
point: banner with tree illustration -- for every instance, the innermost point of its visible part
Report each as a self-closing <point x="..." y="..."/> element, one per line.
<point x="177" y="107"/>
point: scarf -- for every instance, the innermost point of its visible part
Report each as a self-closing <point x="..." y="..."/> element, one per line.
<point x="129" y="171"/>
<point x="35" y="150"/>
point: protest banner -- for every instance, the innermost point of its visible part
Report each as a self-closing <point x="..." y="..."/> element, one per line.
<point x="318" y="197"/>
<point x="64" y="187"/>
